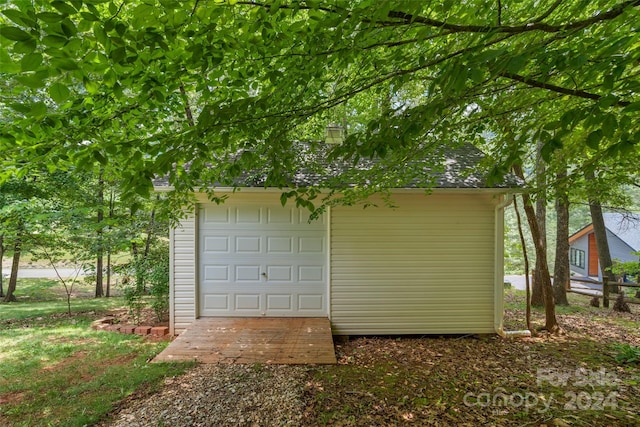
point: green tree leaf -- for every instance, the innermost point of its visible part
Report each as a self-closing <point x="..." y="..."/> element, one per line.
<point x="14" y="33"/>
<point x="54" y="41"/>
<point x="31" y="62"/>
<point x="50" y="17"/>
<point x="25" y="46"/>
<point x="64" y="8"/>
<point x="594" y="138"/>
<point x="19" y="17"/>
<point x="59" y="92"/>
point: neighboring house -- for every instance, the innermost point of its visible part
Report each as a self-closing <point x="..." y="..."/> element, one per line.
<point x="432" y="264"/>
<point x="623" y="236"/>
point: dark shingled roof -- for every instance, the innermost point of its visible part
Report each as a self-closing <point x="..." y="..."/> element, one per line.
<point x="455" y="168"/>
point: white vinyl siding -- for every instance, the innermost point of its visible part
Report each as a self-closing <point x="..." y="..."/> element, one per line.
<point x="424" y="267"/>
<point x="183" y="274"/>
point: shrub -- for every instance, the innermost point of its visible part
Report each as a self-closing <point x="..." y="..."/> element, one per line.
<point x="159" y="288"/>
<point x="147" y="276"/>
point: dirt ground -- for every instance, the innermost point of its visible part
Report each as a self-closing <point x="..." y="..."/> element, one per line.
<point x="567" y="380"/>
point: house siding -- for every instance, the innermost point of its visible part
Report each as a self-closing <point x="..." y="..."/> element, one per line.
<point x="618" y="249"/>
<point x="582" y="244"/>
<point x="424" y="267"/>
<point x="183" y="274"/>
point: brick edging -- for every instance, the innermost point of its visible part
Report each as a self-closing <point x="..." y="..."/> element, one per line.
<point x="107" y="324"/>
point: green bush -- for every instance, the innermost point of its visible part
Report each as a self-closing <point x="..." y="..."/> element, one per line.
<point x="147" y="276"/>
<point x="159" y="288"/>
<point x="630" y="268"/>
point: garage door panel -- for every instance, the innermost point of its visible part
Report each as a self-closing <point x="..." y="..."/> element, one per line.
<point x="216" y="216"/>
<point x="279" y="244"/>
<point x="217" y="301"/>
<point x="248" y="244"/>
<point x="279" y="273"/>
<point x="248" y="215"/>
<point x="310" y="273"/>
<point x="280" y="216"/>
<point x="216" y="244"/>
<point x="310" y="302"/>
<point x="261" y="261"/>
<point x="247" y="273"/>
<point x="279" y="302"/>
<point x="216" y="273"/>
<point x="247" y="302"/>
<point x="310" y="245"/>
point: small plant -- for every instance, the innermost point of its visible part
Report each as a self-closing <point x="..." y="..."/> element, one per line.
<point x="134" y="298"/>
<point x="147" y="276"/>
<point x="595" y="302"/>
<point x="627" y="353"/>
<point x="159" y="288"/>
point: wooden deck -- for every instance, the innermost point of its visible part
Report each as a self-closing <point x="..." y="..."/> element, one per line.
<point x="290" y="341"/>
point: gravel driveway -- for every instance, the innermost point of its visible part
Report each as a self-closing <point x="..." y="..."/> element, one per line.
<point x="222" y="395"/>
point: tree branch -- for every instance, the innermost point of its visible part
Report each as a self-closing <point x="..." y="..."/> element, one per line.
<point x="548" y="86"/>
<point x="406" y="18"/>
<point x="187" y="107"/>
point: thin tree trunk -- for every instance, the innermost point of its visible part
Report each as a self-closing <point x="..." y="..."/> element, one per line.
<point x="100" y="256"/>
<point x="600" y="232"/>
<point x="187" y="107"/>
<point x="150" y="233"/>
<point x="15" y="266"/>
<point x="602" y="244"/>
<point x="111" y="214"/>
<point x="108" y="290"/>
<point x="526" y="265"/>
<point x="537" y="296"/>
<point x="551" y="323"/>
<point x="561" y="273"/>
<point x="1" y="259"/>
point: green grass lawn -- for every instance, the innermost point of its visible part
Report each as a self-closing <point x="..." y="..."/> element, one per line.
<point x="56" y="370"/>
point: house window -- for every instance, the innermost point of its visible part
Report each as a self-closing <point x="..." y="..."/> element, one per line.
<point x="576" y="257"/>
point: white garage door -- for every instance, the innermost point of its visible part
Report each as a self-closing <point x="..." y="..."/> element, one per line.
<point x="261" y="261"/>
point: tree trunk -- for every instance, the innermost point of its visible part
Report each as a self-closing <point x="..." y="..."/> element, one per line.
<point x="99" y="281"/>
<point x="108" y="291"/>
<point x="1" y="259"/>
<point x="537" y="296"/>
<point x="100" y="257"/>
<point x="561" y="273"/>
<point x="526" y="266"/>
<point x="551" y="323"/>
<point x="111" y="214"/>
<point x="150" y="232"/>
<point x="602" y="244"/>
<point x="15" y="266"/>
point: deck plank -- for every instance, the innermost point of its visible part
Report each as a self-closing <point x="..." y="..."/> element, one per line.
<point x="291" y="341"/>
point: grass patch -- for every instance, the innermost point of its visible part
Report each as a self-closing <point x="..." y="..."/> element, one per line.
<point x="45" y="297"/>
<point x="56" y="370"/>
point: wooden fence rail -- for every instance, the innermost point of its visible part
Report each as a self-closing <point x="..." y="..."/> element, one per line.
<point x="605" y="288"/>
